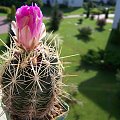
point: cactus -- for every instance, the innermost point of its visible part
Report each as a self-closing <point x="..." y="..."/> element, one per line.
<point x="32" y="83"/>
<point x="31" y="78"/>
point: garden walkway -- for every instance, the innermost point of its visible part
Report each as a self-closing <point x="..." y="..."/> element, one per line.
<point x="109" y="20"/>
<point x="4" y="26"/>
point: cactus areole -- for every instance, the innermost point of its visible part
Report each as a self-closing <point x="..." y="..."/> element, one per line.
<point x="31" y="71"/>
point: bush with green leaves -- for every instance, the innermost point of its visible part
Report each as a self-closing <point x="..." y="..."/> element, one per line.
<point x="80" y="20"/>
<point x="11" y="14"/>
<point x="4" y="9"/>
<point x="92" y="17"/>
<point x="112" y="9"/>
<point x="104" y="59"/>
<point x="93" y="57"/>
<point x="101" y="23"/>
<point x="85" y="31"/>
<point x="96" y="11"/>
<point x="55" y="18"/>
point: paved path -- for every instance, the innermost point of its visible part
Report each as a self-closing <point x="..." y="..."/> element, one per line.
<point x="96" y="17"/>
<point x="4" y="27"/>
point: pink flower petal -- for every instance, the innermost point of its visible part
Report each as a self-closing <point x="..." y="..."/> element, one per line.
<point x="14" y="27"/>
<point x="42" y="32"/>
<point x="30" y="26"/>
<point x="25" y="37"/>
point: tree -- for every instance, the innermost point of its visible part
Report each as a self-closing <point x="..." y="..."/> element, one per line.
<point x="38" y="2"/>
<point x="87" y="6"/>
<point x="56" y="18"/>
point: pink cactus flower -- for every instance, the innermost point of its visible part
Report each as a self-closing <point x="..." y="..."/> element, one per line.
<point x="28" y="28"/>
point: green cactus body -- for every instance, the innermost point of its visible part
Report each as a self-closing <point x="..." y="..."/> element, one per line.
<point x="32" y="84"/>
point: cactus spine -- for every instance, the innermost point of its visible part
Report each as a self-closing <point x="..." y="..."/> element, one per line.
<point x="31" y="82"/>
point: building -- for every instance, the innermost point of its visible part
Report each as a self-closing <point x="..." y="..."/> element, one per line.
<point x="105" y="1"/>
<point x="117" y="15"/>
<point x="69" y="3"/>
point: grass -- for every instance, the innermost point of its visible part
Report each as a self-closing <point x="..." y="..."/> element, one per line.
<point x="3" y="14"/>
<point x="73" y="11"/>
<point x="3" y="37"/>
<point x="97" y="90"/>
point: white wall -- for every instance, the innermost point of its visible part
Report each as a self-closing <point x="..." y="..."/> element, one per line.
<point x="44" y="1"/>
<point x="71" y="3"/>
<point x="117" y="15"/>
<point x="52" y="2"/>
<point x="105" y="1"/>
<point x="75" y="3"/>
<point x="60" y="1"/>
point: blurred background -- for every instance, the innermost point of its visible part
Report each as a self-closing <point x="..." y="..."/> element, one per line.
<point x="90" y="29"/>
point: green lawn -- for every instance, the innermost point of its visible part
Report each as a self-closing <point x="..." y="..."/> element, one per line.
<point x="3" y="37"/>
<point x="3" y="14"/>
<point x="73" y="11"/>
<point x="97" y="89"/>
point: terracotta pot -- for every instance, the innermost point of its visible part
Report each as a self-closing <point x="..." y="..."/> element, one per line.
<point x="64" y="115"/>
<point x="60" y="117"/>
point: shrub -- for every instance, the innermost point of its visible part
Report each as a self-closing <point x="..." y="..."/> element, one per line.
<point x="4" y="9"/>
<point x="103" y="59"/>
<point x="80" y="20"/>
<point x="85" y="31"/>
<point x="93" y="57"/>
<point x="101" y="23"/>
<point x="92" y="17"/>
<point x="11" y="14"/>
<point x="55" y="18"/>
<point x="112" y="9"/>
<point x="96" y="11"/>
